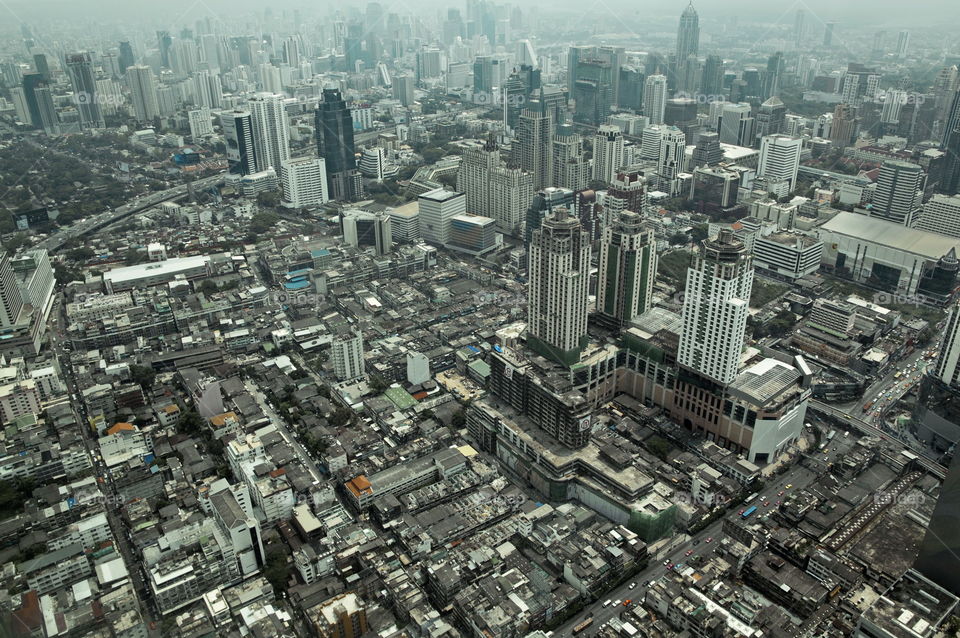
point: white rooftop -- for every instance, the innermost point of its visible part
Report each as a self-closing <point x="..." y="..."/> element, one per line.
<point x="169" y="266"/>
<point x="897" y="236"/>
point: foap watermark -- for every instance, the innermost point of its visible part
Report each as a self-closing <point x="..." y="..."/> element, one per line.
<point x="901" y="299"/>
<point x="83" y="98"/>
<point x="488" y="98"/>
<point x="701" y="98"/>
<point x="500" y="298"/>
<point x="294" y="299"/>
<point x="910" y="499"/>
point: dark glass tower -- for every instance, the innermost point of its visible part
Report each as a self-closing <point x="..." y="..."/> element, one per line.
<point x="334" y="131"/>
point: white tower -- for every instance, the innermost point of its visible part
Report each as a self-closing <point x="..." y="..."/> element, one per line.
<point x="780" y="158"/>
<point x="271" y="139"/>
<point x="607" y="152"/>
<point x="655" y="98"/>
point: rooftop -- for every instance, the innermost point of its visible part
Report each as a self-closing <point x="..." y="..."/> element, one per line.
<point x="155" y="268"/>
<point x="896" y="236"/>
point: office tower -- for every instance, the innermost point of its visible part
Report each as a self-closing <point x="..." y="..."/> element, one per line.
<point x="574" y="55"/>
<point x="903" y="41"/>
<point x="774" y="75"/>
<point x="487" y="77"/>
<point x="947" y="370"/>
<point x="363" y="229"/>
<point x="715" y="308"/>
<point x="707" y="152"/>
<point x="534" y="142"/>
<point x="143" y="92"/>
<point x="556" y="100"/>
<point x="237" y="126"/>
<point x="828" y="33"/>
<point x="593" y="91"/>
<point x="200" y="123"/>
<point x="437" y="208"/>
<point x="207" y="89"/>
<point x="630" y="92"/>
<point x="270" y="136"/>
<point x="628" y="268"/>
<point x="20" y="106"/>
<point x="780" y="158"/>
<point x="49" y="120"/>
<point x="627" y="191"/>
<point x="941" y="214"/>
<point x="673" y="144"/>
<point x="429" y="61"/>
<point x="373" y="163"/>
<point x="650" y="142"/>
<point x="304" y="181"/>
<point x="11" y="301"/>
<point x="571" y="168"/>
<point x="736" y="124"/>
<point x="559" y="272"/>
<point x="41" y="66"/>
<point x="453" y="27"/>
<point x="937" y="558"/>
<point x="688" y="34"/>
<point x="544" y="202"/>
<point x="607" y="153"/>
<point x="80" y="69"/>
<point x="473" y="234"/>
<point x="347" y="354"/>
<point x="334" y="131"/>
<point x="126" y="58"/>
<point x="31" y="106"/>
<point x="403" y="88"/>
<point x="711" y="80"/>
<point x="771" y="118"/>
<point x="655" y="98"/>
<point x="164" y="42"/>
<point x="893" y="101"/>
<point x="473" y="177"/>
<point x="798" y="28"/>
<point x="844" y="125"/>
<point x="682" y="113"/>
<point x="899" y="192"/>
<point x="859" y="84"/>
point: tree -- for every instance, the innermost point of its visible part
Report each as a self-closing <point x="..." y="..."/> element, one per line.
<point x="426" y="415"/>
<point x="207" y="287"/>
<point x="268" y="199"/>
<point x="191" y="423"/>
<point x="143" y="375"/>
<point x="341" y="416"/>
<point x="276" y="570"/>
<point x="699" y="232"/>
<point x="679" y="239"/>
<point x="377" y="384"/>
<point x="459" y="418"/>
<point x="263" y="221"/>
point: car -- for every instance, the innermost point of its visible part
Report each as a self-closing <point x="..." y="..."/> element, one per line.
<point x="669" y="566"/>
<point x="627" y="602"/>
<point x="678" y="567"/>
<point x="696" y="542"/>
<point x="789" y="485"/>
<point x="688" y="552"/>
<point x="632" y="586"/>
<point x="607" y="603"/>
<point x="617" y="603"/>
<point x="666" y="562"/>
<point x="766" y="504"/>
<point x="778" y="503"/>
<point x="710" y="540"/>
<point x="780" y="493"/>
<point x="741" y="512"/>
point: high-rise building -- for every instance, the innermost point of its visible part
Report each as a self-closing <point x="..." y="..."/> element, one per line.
<point x="237" y="126"/>
<point x="200" y="123"/>
<point x="343" y="616"/>
<point x="736" y="124"/>
<point x="903" y="42"/>
<point x="347" y="355"/>
<point x="843" y="128"/>
<point x="437" y="209"/>
<point x="571" y="168"/>
<point x="593" y="91"/>
<point x="334" y="131"/>
<point x="941" y="214"/>
<point x="708" y="151"/>
<point x="655" y="98"/>
<point x="41" y="66"/>
<point x="364" y="229"/>
<point x="559" y="272"/>
<point x="544" y="201"/>
<point x="859" y="84"/>
<point x="780" y="158"/>
<point x="771" y="118"/>
<point x="628" y="268"/>
<point x="711" y="80"/>
<point x="304" y="181"/>
<point x="828" y="33"/>
<point x="688" y="34"/>
<point x="673" y="145"/>
<point x="630" y="95"/>
<point x="948" y="363"/>
<point x="493" y="190"/>
<point x="32" y="82"/>
<point x="799" y="25"/>
<point x="80" y="69"/>
<point x="716" y="307"/>
<point x="899" y="193"/>
<point x="403" y="84"/>
<point x="607" y="152"/>
<point x="473" y="177"/>
<point x="164" y="42"/>
<point x="270" y="135"/>
<point x="534" y="142"/>
<point x="627" y="191"/>
<point x="143" y="92"/>
<point x="11" y="301"/>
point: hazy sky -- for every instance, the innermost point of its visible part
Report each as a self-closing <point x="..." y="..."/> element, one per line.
<point x="848" y="12"/>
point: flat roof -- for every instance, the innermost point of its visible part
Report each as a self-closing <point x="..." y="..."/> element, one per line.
<point x="890" y="234"/>
<point x="440" y="195"/>
<point x="153" y="268"/>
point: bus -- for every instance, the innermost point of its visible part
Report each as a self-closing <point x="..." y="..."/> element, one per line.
<point x="583" y="626"/>
<point x="752" y="497"/>
<point x="830" y="436"/>
<point x="750" y="510"/>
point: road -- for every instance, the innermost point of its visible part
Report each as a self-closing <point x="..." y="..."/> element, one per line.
<point x="96" y="222"/>
<point x="797" y="477"/>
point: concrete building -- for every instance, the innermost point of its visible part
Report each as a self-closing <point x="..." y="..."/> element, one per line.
<point x="628" y="268"/>
<point x="436" y="209"/>
<point x="899" y="194"/>
<point x="364" y="229"/>
<point x="347" y="355"/>
<point x="607" y="153"/>
<point x="780" y="159"/>
<point x="303" y="181"/>
<point x="941" y="214"/>
<point x="473" y="234"/>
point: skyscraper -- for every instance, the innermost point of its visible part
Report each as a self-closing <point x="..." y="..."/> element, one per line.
<point x="903" y="41"/>
<point x="143" y="92"/>
<point x="828" y="33"/>
<point x="627" y="191"/>
<point x="673" y="144"/>
<point x="270" y="136"/>
<point x="334" y="131"/>
<point x="948" y="363"/>
<point x="11" y="302"/>
<point x="304" y="181"/>
<point x="534" y="141"/>
<point x="80" y="70"/>
<point x="559" y="270"/>
<point x="593" y="91"/>
<point x="544" y="201"/>
<point x="238" y="135"/>
<point x="164" y="42"/>
<point x="655" y="98"/>
<point x="126" y="58"/>
<point x="715" y="308"/>
<point x="571" y="168"/>
<point x="437" y="208"/>
<point x="607" y="152"/>
<point x="772" y="117"/>
<point x="736" y="124"/>
<point x="899" y="192"/>
<point x="628" y="268"/>
<point x="688" y="34"/>
<point x="780" y="158"/>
